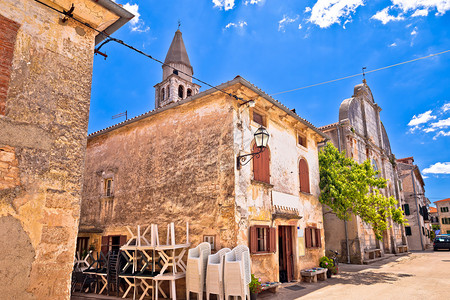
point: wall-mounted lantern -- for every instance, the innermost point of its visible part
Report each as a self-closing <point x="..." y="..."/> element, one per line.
<point x="261" y="137"/>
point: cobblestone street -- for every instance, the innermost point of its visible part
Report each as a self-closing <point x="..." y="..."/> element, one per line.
<point x="420" y="275"/>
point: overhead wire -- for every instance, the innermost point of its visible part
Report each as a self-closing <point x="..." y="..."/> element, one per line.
<point x="70" y="15"/>
<point x="362" y="73"/>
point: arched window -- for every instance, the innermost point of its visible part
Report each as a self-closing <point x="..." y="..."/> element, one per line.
<point x="180" y="91"/>
<point x="168" y="93"/>
<point x="261" y="165"/>
<point x="375" y="166"/>
<point x="304" y="176"/>
<point x="188" y="93"/>
<point x="163" y="94"/>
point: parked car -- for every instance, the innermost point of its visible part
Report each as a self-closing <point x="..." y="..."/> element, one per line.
<point x="441" y="242"/>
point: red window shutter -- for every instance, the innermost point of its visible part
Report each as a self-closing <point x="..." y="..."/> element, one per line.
<point x="261" y="165"/>
<point x="123" y="240"/>
<point x="304" y="176"/>
<point x="272" y="239"/>
<point x="319" y="242"/>
<point x="308" y="237"/>
<point x="253" y="240"/>
<point x="105" y="242"/>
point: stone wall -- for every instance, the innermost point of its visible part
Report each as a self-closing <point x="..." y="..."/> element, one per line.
<point x="174" y="166"/>
<point x="45" y="82"/>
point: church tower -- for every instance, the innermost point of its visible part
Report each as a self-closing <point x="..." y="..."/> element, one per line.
<point x="175" y="86"/>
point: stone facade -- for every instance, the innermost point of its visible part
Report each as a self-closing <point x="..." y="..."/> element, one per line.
<point x="361" y="134"/>
<point x="178" y="163"/>
<point x="45" y="83"/>
<point x="417" y="204"/>
<point x="443" y="210"/>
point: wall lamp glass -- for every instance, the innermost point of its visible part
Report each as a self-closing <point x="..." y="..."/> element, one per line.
<point x="261" y="137"/>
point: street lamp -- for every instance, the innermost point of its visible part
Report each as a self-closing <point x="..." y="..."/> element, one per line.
<point x="261" y="137"/>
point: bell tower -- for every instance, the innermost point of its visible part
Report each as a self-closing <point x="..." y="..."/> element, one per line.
<point x="175" y="85"/>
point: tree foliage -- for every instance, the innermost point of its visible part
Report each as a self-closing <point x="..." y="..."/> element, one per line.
<point x="348" y="188"/>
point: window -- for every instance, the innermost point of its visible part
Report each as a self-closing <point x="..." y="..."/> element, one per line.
<point x="312" y="237"/>
<point x="168" y="93"/>
<point x="304" y="176"/>
<point x="82" y="247"/>
<point x="108" y="187"/>
<point x="113" y="243"/>
<point x="420" y="210"/>
<point x="423" y="230"/>
<point x="445" y="220"/>
<point x="301" y="140"/>
<point x="261" y="165"/>
<point x="444" y="209"/>
<point x="258" y="118"/>
<point x="408" y="230"/>
<point x="189" y="92"/>
<point x="209" y="239"/>
<point x="406" y="209"/>
<point x="375" y="167"/>
<point x="448" y="231"/>
<point x="262" y="239"/>
<point x="181" y="91"/>
<point x="163" y="94"/>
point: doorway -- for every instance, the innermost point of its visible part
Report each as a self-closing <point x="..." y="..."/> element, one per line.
<point x="285" y="252"/>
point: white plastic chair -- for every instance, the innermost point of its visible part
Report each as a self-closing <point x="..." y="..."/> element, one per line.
<point x="214" y="274"/>
<point x="196" y="269"/>
<point x="237" y="273"/>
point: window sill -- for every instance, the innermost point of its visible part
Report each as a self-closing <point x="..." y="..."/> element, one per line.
<point x="262" y="183"/>
<point x="305" y="193"/>
<point x="262" y="253"/>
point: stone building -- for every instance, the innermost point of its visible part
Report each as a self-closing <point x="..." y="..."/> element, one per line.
<point x="178" y="163"/>
<point x="45" y="83"/>
<point x="415" y="204"/>
<point x="443" y="210"/>
<point x="434" y="215"/>
<point x="361" y="134"/>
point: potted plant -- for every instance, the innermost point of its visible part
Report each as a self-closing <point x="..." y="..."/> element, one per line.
<point x="326" y="262"/>
<point x="255" y="287"/>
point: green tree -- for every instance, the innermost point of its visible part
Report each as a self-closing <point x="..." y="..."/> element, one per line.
<point x="348" y="188"/>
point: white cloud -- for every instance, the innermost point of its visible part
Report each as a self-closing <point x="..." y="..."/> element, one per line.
<point x="420" y="13"/>
<point x="429" y="129"/>
<point x="441" y="123"/>
<point x="260" y="2"/>
<point x="438" y="168"/>
<point x="442" y="6"/>
<point x="224" y="4"/>
<point x="446" y="107"/>
<point x="307" y="9"/>
<point x="441" y="133"/>
<point x="414" y="32"/>
<point x="136" y="23"/>
<point x="393" y="45"/>
<point x="346" y="21"/>
<point x="239" y="24"/>
<point x="384" y="16"/>
<point x="286" y="20"/>
<point x="328" y="12"/>
<point x="420" y="119"/>
<point x="299" y="26"/>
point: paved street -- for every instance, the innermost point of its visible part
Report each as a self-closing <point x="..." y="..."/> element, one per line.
<point x="421" y="275"/>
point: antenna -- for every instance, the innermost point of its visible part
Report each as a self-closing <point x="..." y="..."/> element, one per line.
<point x="121" y="115"/>
<point x="364" y="74"/>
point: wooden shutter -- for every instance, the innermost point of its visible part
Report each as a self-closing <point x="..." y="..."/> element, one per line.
<point x="253" y="240"/>
<point x="261" y="165"/>
<point x="304" y="176"/>
<point x="105" y="242"/>
<point x="308" y="237"/>
<point x="123" y="240"/>
<point x="272" y="239"/>
<point x="318" y="240"/>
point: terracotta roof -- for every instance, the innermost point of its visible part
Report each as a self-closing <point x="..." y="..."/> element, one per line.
<point x="237" y="79"/>
<point x="443" y="200"/>
<point x="328" y="126"/>
<point x="433" y="209"/>
<point x="405" y="159"/>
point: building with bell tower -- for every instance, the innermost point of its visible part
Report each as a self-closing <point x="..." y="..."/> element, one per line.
<point x="175" y="84"/>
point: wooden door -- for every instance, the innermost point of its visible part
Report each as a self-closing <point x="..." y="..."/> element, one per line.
<point x="286" y="257"/>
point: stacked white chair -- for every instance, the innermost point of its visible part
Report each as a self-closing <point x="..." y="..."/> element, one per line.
<point x="196" y="269"/>
<point x="237" y="273"/>
<point x="214" y="274"/>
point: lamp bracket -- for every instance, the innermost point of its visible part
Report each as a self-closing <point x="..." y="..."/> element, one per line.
<point x="242" y="160"/>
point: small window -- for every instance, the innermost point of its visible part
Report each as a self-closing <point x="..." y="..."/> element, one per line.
<point x="168" y="93"/>
<point x="313" y="237"/>
<point x="408" y="230"/>
<point x="210" y="239"/>
<point x="444" y="209"/>
<point x="189" y="92"/>
<point x="445" y="220"/>
<point x="423" y="230"/>
<point x="108" y="187"/>
<point x="301" y="140"/>
<point x="181" y="91"/>
<point x="163" y="94"/>
<point x="262" y="239"/>
<point x="258" y="118"/>
<point x="304" y="176"/>
<point x="406" y="209"/>
<point x="448" y="231"/>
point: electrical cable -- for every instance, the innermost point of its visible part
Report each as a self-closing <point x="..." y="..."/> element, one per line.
<point x="70" y="15"/>
<point x="359" y="74"/>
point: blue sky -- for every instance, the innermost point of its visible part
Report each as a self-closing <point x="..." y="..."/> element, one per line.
<point x="283" y="45"/>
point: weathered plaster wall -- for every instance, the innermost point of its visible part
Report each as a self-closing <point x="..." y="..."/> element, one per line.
<point x="254" y="199"/>
<point x="43" y="122"/>
<point x="445" y="228"/>
<point x="174" y="166"/>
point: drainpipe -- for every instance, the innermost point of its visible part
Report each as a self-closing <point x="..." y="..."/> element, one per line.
<point x="417" y="207"/>
<point x="345" y="222"/>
